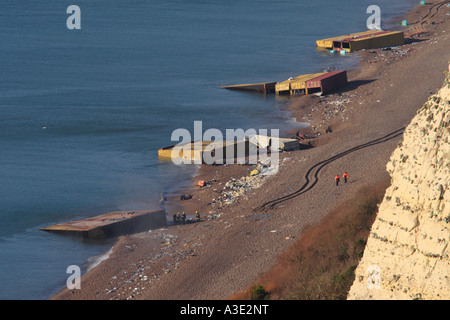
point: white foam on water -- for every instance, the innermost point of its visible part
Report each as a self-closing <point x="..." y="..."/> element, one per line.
<point x="96" y="260"/>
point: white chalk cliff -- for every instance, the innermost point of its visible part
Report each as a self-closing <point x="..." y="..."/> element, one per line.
<point x="407" y="253"/>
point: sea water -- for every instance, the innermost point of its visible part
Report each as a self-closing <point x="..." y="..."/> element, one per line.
<point x="83" y="112"/>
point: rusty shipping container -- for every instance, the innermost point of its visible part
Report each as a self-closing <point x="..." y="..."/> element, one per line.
<point x="295" y="86"/>
<point x="327" y="82"/>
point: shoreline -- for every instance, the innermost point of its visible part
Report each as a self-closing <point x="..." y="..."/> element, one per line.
<point x="181" y="262"/>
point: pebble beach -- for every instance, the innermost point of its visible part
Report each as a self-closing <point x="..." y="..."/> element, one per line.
<point x="235" y="242"/>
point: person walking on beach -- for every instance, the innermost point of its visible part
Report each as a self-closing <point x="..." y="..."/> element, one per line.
<point x="337" y="179"/>
<point x="183" y="218"/>
<point x="345" y="176"/>
<point x="299" y="136"/>
<point x="197" y="216"/>
<point x="175" y="218"/>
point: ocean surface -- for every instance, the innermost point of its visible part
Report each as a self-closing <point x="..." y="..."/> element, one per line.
<point x="83" y="112"/>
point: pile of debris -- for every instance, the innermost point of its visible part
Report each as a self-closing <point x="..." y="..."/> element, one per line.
<point x="236" y="188"/>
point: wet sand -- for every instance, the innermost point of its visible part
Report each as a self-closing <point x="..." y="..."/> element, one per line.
<point x="225" y="252"/>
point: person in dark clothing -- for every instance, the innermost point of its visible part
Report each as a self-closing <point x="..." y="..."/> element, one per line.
<point x="337" y="179"/>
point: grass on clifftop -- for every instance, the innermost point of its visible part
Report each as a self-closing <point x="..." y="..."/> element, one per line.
<point x="320" y="264"/>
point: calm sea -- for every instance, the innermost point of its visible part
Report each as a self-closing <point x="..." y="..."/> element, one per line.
<point x="83" y="112"/>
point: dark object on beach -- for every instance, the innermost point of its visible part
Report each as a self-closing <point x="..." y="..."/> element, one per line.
<point x="186" y="197"/>
<point x="304" y="146"/>
<point x="328" y="130"/>
<point x="292" y="145"/>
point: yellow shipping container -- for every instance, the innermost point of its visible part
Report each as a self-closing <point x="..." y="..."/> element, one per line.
<point x="371" y="39"/>
<point x="300" y="81"/>
<point x="283" y="87"/>
<point x="195" y="151"/>
<point x="295" y="85"/>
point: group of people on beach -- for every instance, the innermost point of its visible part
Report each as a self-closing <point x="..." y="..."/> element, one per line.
<point x="181" y="218"/>
<point x="337" y="179"/>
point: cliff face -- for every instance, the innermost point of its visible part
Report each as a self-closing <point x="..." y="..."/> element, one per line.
<point x="407" y="253"/>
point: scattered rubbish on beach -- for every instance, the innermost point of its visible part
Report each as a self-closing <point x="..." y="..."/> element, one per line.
<point x="213" y="215"/>
<point x="133" y="280"/>
<point x="169" y="238"/>
<point x="236" y="188"/>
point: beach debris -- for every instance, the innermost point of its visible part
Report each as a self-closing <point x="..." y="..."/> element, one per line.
<point x="237" y="188"/>
<point x="169" y="238"/>
<point x="212" y="215"/>
<point x="185" y="197"/>
<point x="202" y="183"/>
<point x="134" y="279"/>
